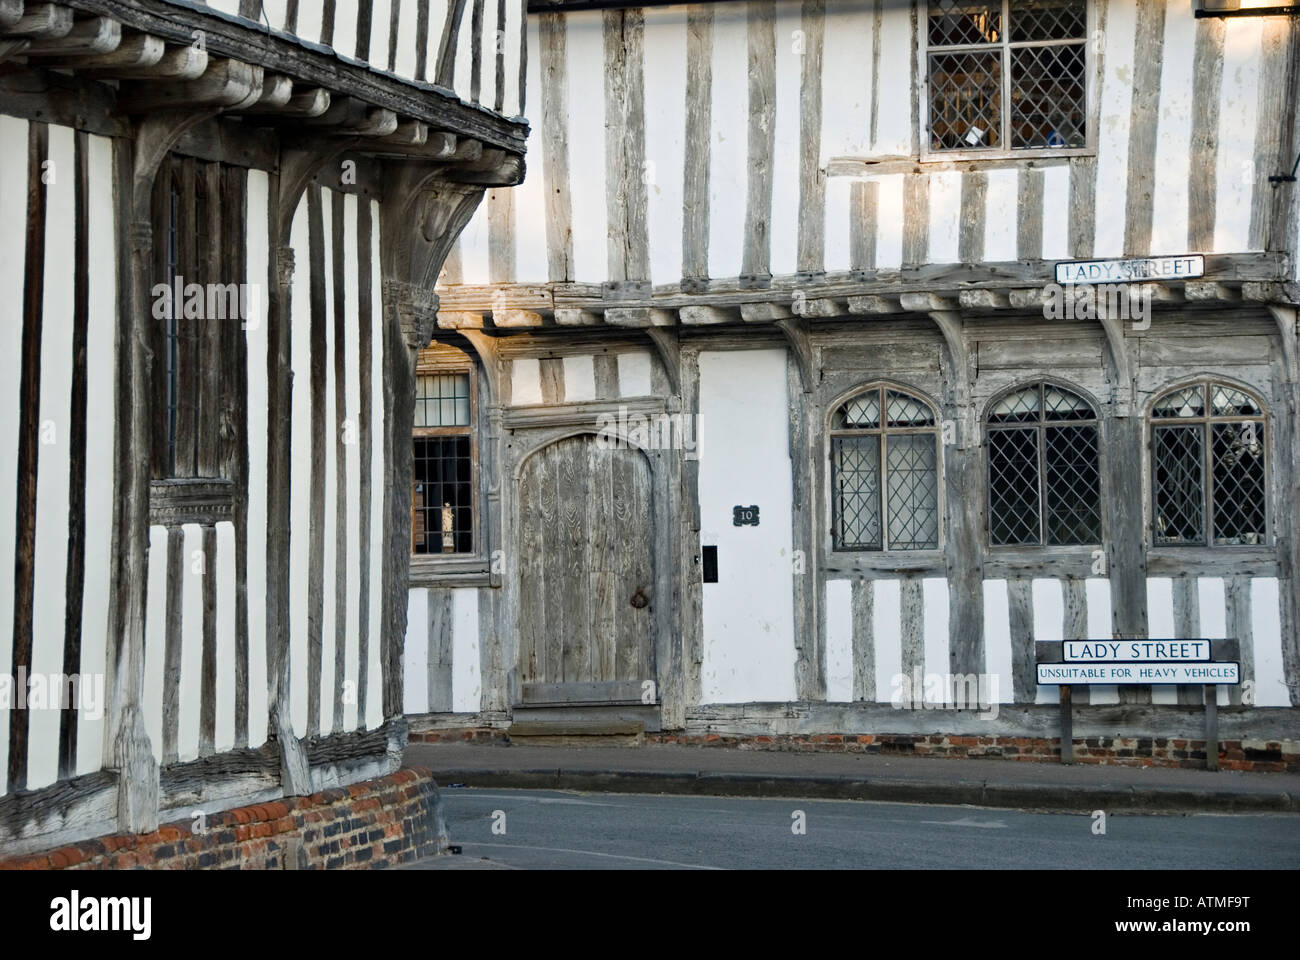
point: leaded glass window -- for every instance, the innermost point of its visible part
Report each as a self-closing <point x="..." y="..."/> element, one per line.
<point x="1007" y="74"/>
<point x="1209" y="467"/>
<point x="884" y="472"/>
<point x="1044" y="468"/>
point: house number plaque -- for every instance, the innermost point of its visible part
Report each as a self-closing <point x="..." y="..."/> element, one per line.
<point x="744" y="516"/>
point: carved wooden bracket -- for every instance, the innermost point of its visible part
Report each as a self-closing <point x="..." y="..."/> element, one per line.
<point x="796" y="334"/>
<point x="416" y="310"/>
<point x="1288" y="328"/>
<point x="1124" y="388"/>
<point x="951" y="326"/>
<point x="487" y="349"/>
<point x="670" y="352"/>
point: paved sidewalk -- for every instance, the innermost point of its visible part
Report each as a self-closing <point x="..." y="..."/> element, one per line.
<point x="722" y="771"/>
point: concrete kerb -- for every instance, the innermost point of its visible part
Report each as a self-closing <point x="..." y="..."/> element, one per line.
<point x="1065" y="798"/>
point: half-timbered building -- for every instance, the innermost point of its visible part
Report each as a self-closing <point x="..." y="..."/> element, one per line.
<point x="220" y="225"/>
<point x="757" y="402"/>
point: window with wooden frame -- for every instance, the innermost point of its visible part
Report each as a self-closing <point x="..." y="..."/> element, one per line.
<point x="885" y="472"/>
<point x="445" y="454"/>
<point x="197" y="303"/>
<point x="1044" y="468"/>
<point x="1209" y="467"/>
<point x="1006" y="77"/>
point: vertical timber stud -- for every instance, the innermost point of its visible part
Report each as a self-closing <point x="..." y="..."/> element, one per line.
<point x="1125" y="530"/>
<point x="299" y="162"/>
<point x="422" y="217"/>
<point x="127" y="746"/>
<point x="964" y="491"/>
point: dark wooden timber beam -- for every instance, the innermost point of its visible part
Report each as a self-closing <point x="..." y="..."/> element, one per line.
<point x="98" y="35"/>
<point x="136" y="52"/>
<point x="42" y="20"/>
<point x="11" y="11"/>
<point x="175" y="62"/>
<point x="309" y="66"/>
<point x="225" y="83"/>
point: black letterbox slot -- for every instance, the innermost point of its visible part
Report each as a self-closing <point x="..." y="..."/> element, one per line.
<point x="710" y="564"/>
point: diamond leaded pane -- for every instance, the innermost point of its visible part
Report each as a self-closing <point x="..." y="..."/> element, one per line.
<point x="1227" y="402"/>
<point x="1237" y="461"/>
<point x="856" y="463"/>
<point x="952" y="22"/>
<point x="1073" y="484"/>
<point x="1049" y="99"/>
<point x="965" y="100"/>
<point x="1187" y="402"/>
<point x="1022" y="406"/>
<point x="904" y="411"/>
<point x="1013" y="486"/>
<point x="1061" y="404"/>
<point x="1048" y="20"/>
<point x="912" y="485"/>
<point x="862" y="411"/>
<point x="1177" y="454"/>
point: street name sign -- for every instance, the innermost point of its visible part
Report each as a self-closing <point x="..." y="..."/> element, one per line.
<point x="1154" y="673"/>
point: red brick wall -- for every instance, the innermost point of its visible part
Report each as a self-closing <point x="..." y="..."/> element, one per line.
<point x="378" y="823"/>
<point x="1268" y="756"/>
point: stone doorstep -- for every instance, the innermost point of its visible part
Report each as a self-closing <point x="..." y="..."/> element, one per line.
<point x="578" y="733"/>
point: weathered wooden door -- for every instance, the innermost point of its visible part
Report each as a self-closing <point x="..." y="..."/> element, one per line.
<point x="586" y="573"/>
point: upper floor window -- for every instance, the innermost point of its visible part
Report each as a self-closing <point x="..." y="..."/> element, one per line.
<point x="199" y="298"/>
<point x="1044" y="472"/>
<point x="884" y="467"/>
<point x="1208" y="456"/>
<point x="442" y="501"/>
<point x="1007" y="76"/>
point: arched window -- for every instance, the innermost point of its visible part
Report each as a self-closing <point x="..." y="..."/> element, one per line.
<point x="884" y="472"/>
<point x="1044" y="473"/>
<point x="1208" y="467"/>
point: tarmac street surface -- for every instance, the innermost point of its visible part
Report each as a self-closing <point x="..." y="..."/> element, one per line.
<point x="549" y="829"/>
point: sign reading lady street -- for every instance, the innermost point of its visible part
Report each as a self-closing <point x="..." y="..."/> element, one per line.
<point x="1138" y="661"/>
<point x="1129" y="271"/>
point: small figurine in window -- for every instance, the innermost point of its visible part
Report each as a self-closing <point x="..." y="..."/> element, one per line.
<point x="448" y="538"/>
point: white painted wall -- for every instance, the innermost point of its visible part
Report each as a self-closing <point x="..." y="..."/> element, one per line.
<point x="887" y="629"/>
<point x="466" y="687"/>
<point x="839" y="640"/>
<point x="13" y="245"/>
<point x="54" y="451"/>
<point x="101" y="394"/>
<point x="744" y="459"/>
<point x="634" y="373"/>
<point x="665" y="129"/>
<point x="586" y="140"/>
<point x="997" y="639"/>
<point x="258" y="265"/>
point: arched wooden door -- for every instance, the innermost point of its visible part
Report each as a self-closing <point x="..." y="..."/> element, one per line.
<point x="585" y="574"/>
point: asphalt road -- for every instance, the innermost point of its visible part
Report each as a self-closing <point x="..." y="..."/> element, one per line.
<point x="556" y="830"/>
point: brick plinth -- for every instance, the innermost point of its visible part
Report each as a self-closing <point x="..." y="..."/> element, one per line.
<point x="377" y="823"/>
<point x="1271" y="756"/>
